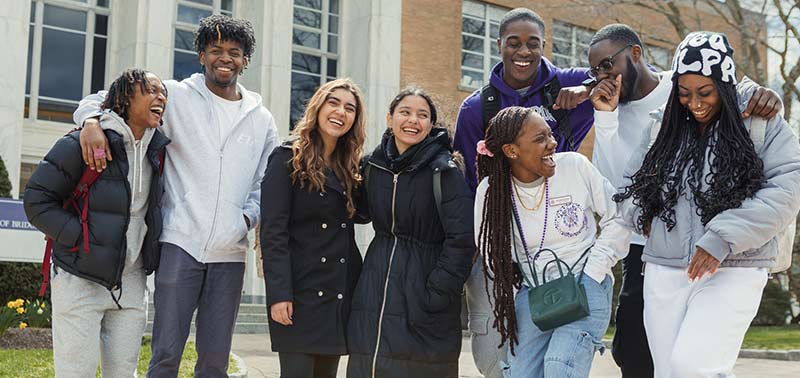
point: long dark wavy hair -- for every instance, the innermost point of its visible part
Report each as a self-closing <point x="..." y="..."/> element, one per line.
<point x="674" y="164"/>
<point x="495" y="236"/>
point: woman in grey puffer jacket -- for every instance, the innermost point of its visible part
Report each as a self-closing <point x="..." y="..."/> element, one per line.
<point x="712" y="194"/>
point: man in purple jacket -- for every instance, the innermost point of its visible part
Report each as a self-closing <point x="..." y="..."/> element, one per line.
<point x="526" y="78"/>
<point x="523" y="78"/>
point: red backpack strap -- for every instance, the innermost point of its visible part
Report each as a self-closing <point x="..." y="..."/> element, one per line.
<point x="82" y="191"/>
<point x="48" y="250"/>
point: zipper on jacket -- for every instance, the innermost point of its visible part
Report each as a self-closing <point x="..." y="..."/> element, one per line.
<point x="388" y="270"/>
<point x="216" y="208"/>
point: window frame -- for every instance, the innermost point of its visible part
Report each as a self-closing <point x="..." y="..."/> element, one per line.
<point x="492" y="15"/>
<point x="92" y="10"/>
<point x="214" y="8"/>
<point x="575" y="60"/>
<point x="322" y="52"/>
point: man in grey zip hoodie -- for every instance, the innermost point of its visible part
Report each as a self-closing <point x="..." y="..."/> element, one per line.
<point x="222" y="137"/>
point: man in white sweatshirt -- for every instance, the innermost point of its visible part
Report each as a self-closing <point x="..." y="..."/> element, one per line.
<point x="627" y="90"/>
<point x="221" y="139"/>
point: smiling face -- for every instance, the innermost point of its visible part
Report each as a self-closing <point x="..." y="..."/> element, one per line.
<point x="147" y="103"/>
<point x="410" y="122"/>
<point x="223" y="62"/>
<point x="700" y="96"/>
<point x="531" y="154"/>
<point x="521" y="46"/>
<point x="337" y="114"/>
<point x="624" y="62"/>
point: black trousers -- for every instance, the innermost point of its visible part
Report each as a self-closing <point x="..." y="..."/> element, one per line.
<point x="629" y="348"/>
<point x="301" y="365"/>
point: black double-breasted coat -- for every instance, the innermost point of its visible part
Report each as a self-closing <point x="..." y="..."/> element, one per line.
<point x="310" y="258"/>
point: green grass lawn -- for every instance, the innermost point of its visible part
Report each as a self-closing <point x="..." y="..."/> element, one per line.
<point x="34" y="363"/>
<point x="762" y="337"/>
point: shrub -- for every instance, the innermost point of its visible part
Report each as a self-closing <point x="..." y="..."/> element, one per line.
<point x="775" y="305"/>
<point x="20" y="280"/>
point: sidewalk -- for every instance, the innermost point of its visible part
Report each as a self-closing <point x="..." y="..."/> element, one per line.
<point x="262" y="362"/>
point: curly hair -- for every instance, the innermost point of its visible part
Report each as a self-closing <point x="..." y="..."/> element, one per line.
<point x="675" y="164"/>
<point x="121" y="91"/>
<point x="220" y="27"/>
<point x="495" y="236"/>
<point x="308" y="165"/>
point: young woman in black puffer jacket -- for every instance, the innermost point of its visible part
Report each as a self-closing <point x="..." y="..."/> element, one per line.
<point x="405" y="319"/>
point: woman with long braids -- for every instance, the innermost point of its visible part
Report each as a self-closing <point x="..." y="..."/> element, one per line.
<point x="525" y="205"/>
<point x="311" y="262"/>
<point x="711" y="195"/>
<point x="406" y="320"/>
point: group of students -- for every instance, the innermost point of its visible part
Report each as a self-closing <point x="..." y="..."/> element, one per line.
<point x="674" y="160"/>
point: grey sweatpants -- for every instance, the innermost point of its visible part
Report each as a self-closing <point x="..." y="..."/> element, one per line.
<point x="182" y="285"/>
<point x="87" y="325"/>
<point x="489" y="359"/>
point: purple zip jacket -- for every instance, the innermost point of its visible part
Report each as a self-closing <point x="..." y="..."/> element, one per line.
<point x="469" y="126"/>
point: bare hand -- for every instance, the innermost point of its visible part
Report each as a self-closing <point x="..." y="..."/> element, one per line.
<point x="281" y="312"/>
<point x="605" y="95"/>
<point x="92" y="138"/>
<point x="765" y="103"/>
<point x="702" y="263"/>
<point x="570" y="97"/>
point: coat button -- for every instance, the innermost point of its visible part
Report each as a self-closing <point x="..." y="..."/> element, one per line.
<point x="342" y="260"/>
<point x="344" y="225"/>
<point x="323" y="259"/>
<point x="340" y="296"/>
<point x="321" y="194"/>
<point x="324" y="226"/>
<point x="319" y="294"/>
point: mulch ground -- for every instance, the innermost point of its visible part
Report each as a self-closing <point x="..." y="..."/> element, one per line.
<point x="28" y="338"/>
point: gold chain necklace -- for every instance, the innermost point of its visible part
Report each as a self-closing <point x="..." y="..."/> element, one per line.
<point x="541" y="197"/>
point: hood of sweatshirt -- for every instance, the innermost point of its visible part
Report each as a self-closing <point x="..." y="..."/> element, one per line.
<point x="135" y="149"/>
<point x="250" y="100"/>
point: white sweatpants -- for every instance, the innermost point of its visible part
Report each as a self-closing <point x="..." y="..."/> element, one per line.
<point x="696" y="329"/>
<point x="87" y="325"/>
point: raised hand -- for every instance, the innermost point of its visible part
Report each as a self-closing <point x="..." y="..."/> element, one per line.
<point x="605" y="95"/>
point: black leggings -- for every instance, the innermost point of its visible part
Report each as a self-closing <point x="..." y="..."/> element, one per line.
<point x="301" y="365"/>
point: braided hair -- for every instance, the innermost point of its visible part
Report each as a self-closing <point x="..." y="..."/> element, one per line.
<point x="220" y="27"/>
<point x="675" y="163"/>
<point x="121" y="91"/>
<point x="495" y="236"/>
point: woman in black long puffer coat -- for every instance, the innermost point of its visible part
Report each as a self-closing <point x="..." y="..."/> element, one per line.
<point x="405" y="319"/>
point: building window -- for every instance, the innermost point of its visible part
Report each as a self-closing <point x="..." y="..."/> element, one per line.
<point x="571" y="45"/>
<point x="659" y="57"/>
<point x="480" y="28"/>
<point x="188" y="17"/>
<point x="66" y="56"/>
<point x="315" y="50"/>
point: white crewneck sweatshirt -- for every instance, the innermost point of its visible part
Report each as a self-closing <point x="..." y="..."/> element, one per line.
<point x="576" y="193"/>
<point x="619" y="133"/>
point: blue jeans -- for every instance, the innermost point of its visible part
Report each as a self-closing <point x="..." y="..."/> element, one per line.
<point x="566" y="351"/>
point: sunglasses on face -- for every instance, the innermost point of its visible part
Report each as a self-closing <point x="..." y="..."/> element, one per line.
<point x="607" y="63"/>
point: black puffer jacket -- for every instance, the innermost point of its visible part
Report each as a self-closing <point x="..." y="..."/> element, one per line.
<point x="409" y="317"/>
<point x="109" y="209"/>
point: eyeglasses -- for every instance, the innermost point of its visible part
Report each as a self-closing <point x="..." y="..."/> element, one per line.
<point x="607" y="63"/>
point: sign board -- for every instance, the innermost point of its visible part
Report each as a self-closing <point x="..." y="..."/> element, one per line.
<point x="19" y="240"/>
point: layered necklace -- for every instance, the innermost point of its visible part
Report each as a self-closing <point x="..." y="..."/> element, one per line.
<point x="540" y="193"/>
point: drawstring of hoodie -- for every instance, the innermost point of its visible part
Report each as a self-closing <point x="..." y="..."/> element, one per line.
<point x="138" y="161"/>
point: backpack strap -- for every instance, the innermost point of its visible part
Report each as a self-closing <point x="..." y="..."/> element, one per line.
<point x="490" y="104"/>
<point x="81" y="191"/>
<point x="437" y="193"/>
<point x="563" y="126"/>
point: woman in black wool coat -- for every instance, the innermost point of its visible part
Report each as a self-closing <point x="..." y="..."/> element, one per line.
<point x="405" y="319"/>
<point x="311" y="262"/>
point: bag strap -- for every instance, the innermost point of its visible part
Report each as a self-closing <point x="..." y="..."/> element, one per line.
<point x="81" y="191"/>
<point x="490" y="104"/>
<point x="563" y="126"/>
